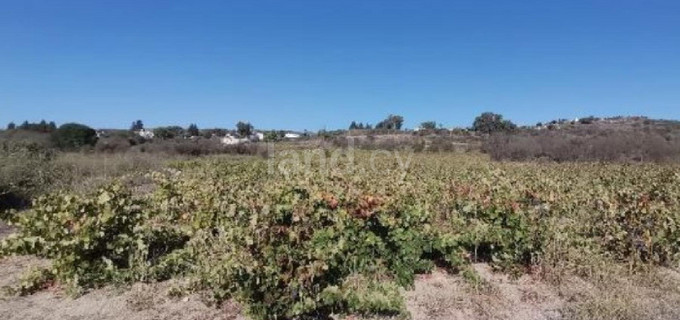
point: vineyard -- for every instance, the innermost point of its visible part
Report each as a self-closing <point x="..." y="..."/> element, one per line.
<point x="346" y="239"/>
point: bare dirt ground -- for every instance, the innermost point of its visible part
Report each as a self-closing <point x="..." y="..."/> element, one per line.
<point x="436" y="296"/>
<point x="440" y="296"/>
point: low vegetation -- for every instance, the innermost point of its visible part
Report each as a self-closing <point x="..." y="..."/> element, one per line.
<point x="599" y="145"/>
<point x="308" y="243"/>
<point x="346" y="230"/>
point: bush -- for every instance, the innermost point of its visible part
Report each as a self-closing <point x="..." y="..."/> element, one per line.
<point x="416" y="143"/>
<point x="114" y="144"/>
<point x="93" y="240"/>
<point x="25" y="170"/>
<point x="199" y="147"/>
<point x="41" y="139"/>
<point x="72" y="136"/>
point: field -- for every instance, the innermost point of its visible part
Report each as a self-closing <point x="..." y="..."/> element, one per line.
<point x="319" y="233"/>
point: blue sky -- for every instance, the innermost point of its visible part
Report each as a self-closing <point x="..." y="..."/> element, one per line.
<point x="321" y="64"/>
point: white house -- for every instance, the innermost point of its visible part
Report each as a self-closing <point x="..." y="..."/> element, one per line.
<point x="257" y="136"/>
<point x="230" y="140"/>
<point x="146" y="134"/>
<point x="291" y="135"/>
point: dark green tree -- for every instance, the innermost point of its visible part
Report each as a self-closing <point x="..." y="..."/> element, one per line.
<point x="489" y="122"/>
<point x="137" y="125"/>
<point x="588" y="120"/>
<point x="353" y="126"/>
<point x="193" y="131"/>
<point x="170" y="132"/>
<point x="11" y="126"/>
<point x="244" y="129"/>
<point x="393" y="122"/>
<point x="43" y="127"/>
<point x="71" y="136"/>
<point x="428" y="125"/>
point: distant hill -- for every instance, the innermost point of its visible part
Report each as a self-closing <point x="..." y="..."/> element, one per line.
<point x="620" y="123"/>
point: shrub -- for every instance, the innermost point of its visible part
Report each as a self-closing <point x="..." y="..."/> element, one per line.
<point x="114" y="144"/>
<point x="25" y="170"/>
<point x="44" y="140"/>
<point x="93" y="240"/>
<point x="199" y="147"/>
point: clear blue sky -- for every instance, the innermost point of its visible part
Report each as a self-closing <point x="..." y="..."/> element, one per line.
<point x="315" y="64"/>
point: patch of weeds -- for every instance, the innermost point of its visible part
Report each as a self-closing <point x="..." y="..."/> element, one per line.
<point x="478" y="284"/>
<point x="33" y="280"/>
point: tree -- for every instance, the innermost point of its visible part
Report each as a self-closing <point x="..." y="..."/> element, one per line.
<point x="137" y="125"/>
<point x="209" y="133"/>
<point x="193" y="131"/>
<point x="244" y="129"/>
<point x="42" y="126"/>
<point x="271" y="136"/>
<point x="428" y="125"/>
<point x="588" y="120"/>
<point x="393" y="122"/>
<point x="11" y="126"/>
<point x="489" y="122"/>
<point x="52" y="126"/>
<point x="72" y="136"/>
<point x="353" y="126"/>
<point x="170" y="132"/>
<point x="25" y="125"/>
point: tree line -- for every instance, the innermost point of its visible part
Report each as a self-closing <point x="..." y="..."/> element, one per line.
<point x="42" y="126"/>
<point x="487" y="122"/>
<point x="75" y="135"/>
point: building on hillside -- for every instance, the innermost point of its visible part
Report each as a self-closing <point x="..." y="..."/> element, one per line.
<point x="231" y="140"/>
<point x="146" y="134"/>
<point x="291" y="135"/>
<point x="257" y="136"/>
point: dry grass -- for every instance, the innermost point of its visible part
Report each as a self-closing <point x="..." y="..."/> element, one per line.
<point x="82" y="172"/>
<point x="608" y="146"/>
<point x="654" y="294"/>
